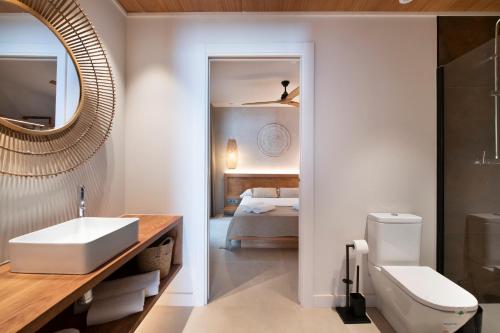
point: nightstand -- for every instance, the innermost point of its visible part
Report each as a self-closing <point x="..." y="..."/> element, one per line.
<point x="229" y="210"/>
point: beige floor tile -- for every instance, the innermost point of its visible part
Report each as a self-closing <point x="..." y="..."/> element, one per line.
<point x="253" y="290"/>
<point x="169" y="319"/>
<point x="491" y="323"/>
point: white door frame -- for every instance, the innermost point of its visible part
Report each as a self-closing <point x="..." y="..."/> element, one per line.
<point x="305" y="52"/>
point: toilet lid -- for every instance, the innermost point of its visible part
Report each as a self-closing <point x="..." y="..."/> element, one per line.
<point x="430" y="288"/>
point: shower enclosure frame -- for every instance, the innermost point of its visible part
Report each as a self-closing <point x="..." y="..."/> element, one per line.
<point x="440" y="168"/>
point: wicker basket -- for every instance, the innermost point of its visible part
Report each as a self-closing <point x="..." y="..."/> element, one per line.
<point x="157" y="258"/>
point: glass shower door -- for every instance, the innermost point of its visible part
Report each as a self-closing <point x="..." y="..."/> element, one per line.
<point x="471" y="190"/>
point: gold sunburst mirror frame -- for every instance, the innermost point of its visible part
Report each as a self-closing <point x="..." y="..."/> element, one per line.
<point x="31" y="153"/>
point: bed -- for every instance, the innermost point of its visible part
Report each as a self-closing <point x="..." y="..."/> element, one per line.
<point x="276" y="228"/>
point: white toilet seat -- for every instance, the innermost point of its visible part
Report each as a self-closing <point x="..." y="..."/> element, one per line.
<point x="430" y="288"/>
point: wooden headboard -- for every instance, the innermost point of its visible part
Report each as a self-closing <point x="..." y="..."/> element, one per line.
<point x="236" y="183"/>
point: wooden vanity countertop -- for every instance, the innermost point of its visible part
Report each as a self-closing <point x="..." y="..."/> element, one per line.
<point x="29" y="301"/>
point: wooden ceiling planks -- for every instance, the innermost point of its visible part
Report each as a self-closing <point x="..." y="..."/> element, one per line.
<point x="171" y="6"/>
<point x="370" y="5"/>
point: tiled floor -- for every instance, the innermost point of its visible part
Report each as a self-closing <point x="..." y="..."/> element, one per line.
<point x="253" y="290"/>
<point x="491" y="322"/>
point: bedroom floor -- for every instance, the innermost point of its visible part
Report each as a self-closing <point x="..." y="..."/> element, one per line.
<point x="253" y="290"/>
<point x="245" y="272"/>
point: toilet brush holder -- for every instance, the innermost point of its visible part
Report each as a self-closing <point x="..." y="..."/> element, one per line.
<point x="358" y="305"/>
<point x="354" y="312"/>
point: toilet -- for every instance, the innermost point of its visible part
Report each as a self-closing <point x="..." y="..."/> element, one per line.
<point x="413" y="298"/>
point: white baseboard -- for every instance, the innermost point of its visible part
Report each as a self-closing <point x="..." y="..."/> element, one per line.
<point x="319" y="301"/>
<point x="330" y="300"/>
<point x="176" y="299"/>
<point x="323" y="301"/>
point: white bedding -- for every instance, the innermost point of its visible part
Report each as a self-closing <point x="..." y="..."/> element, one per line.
<point x="257" y="208"/>
<point x="281" y="202"/>
<point x="283" y="221"/>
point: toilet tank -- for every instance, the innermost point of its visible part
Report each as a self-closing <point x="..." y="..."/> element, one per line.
<point x="394" y="239"/>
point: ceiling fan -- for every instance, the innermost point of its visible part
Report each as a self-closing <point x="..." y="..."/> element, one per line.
<point x="286" y="98"/>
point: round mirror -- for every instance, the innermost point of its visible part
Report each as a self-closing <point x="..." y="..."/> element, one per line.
<point x="39" y="83"/>
<point x="57" y="91"/>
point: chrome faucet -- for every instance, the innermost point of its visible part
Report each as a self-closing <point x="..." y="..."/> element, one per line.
<point x="81" y="205"/>
<point x="88" y="296"/>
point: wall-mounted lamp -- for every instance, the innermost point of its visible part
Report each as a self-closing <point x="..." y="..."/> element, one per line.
<point x="231" y="154"/>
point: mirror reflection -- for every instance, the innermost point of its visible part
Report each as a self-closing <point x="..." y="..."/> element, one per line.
<point x="39" y="84"/>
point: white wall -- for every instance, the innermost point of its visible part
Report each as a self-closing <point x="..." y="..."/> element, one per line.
<point x="28" y="204"/>
<point x="243" y="124"/>
<point x="375" y="124"/>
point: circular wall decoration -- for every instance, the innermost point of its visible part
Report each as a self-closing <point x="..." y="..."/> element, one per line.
<point x="27" y="152"/>
<point x="273" y="139"/>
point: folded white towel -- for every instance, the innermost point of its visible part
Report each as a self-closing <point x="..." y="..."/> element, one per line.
<point x="295" y="206"/>
<point x="150" y="282"/>
<point x="257" y="207"/>
<point x="113" y="308"/>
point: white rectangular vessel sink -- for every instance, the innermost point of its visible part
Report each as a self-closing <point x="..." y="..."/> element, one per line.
<point x="77" y="246"/>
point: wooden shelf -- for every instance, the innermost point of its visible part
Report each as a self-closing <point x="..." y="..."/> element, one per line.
<point x="28" y="302"/>
<point x="128" y="324"/>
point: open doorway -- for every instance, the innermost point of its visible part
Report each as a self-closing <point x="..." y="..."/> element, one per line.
<point x="254" y="178"/>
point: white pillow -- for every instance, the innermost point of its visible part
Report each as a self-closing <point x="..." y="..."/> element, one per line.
<point x="289" y="192"/>
<point x="264" y="192"/>
<point x="246" y="193"/>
